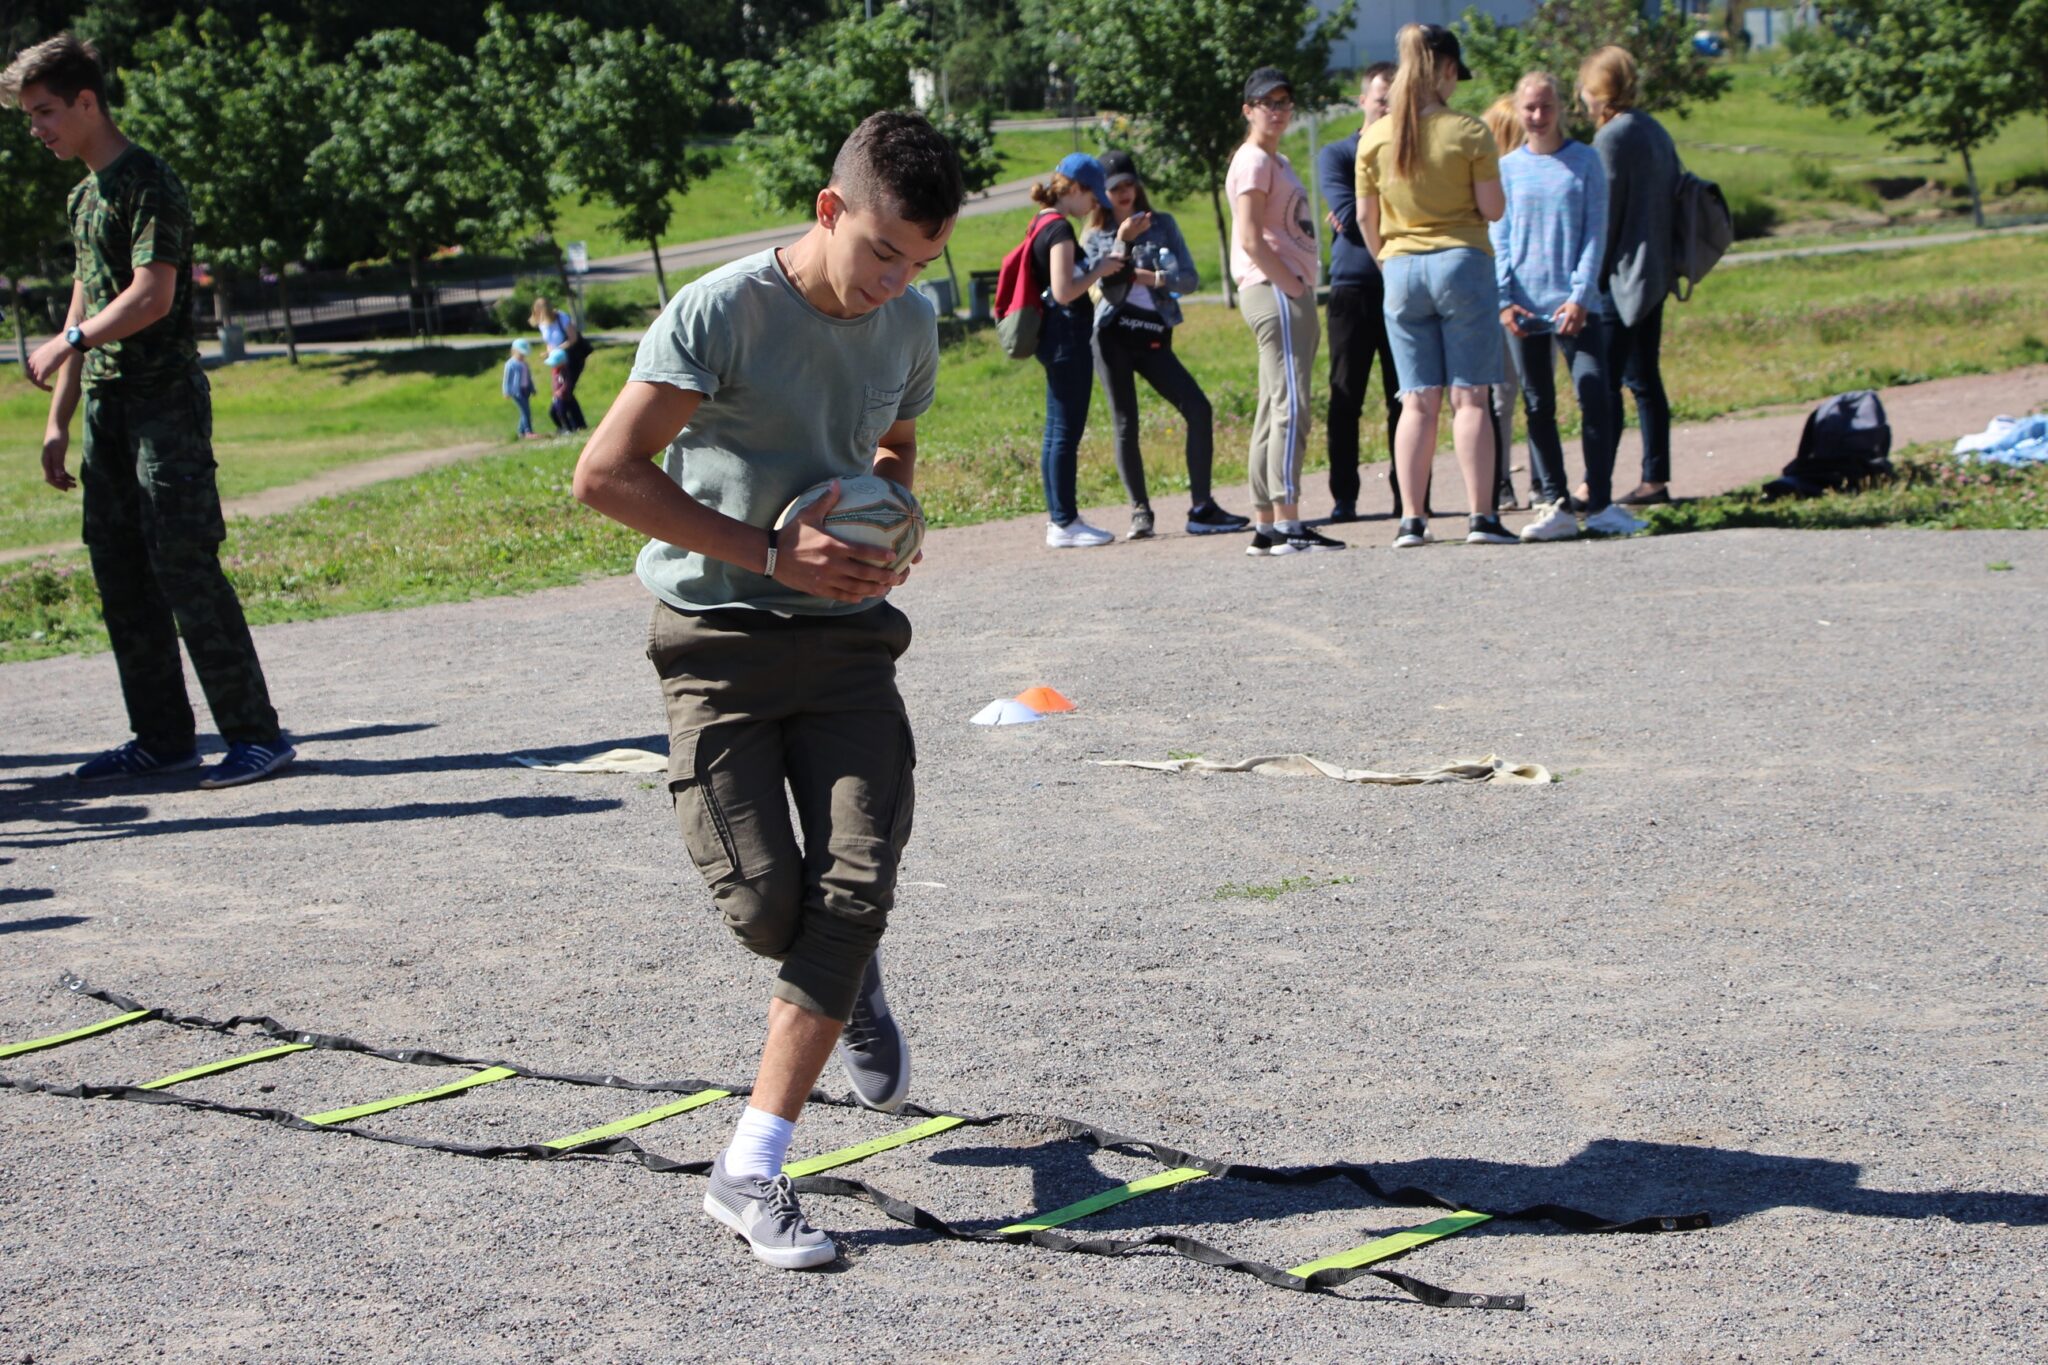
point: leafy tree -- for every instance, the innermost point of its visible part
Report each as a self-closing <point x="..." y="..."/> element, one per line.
<point x="33" y="225"/>
<point x="810" y="99"/>
<point x="520" y="68"/>
<point x="627" y="108"/>
<point x="403" y="166"/>
<point x="811" y="96"/>
<point x="1563" y="33"/>
<point x="986" y="52"/>
<point x="1176" y="70"/>
<point x="1931" y="73"/>
<point x="238" y="121"/>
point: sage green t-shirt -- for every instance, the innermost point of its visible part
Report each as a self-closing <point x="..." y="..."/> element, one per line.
<point x="791" y="398"/>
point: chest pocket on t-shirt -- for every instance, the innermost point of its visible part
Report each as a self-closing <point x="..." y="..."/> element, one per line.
<point x="878" y="414"/>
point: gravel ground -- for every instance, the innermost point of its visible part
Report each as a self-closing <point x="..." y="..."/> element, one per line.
<point x="1772" y="948"/>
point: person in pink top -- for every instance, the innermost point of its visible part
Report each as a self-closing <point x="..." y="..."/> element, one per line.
<point x="1273" y="257"/>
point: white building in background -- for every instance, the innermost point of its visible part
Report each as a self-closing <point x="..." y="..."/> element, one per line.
<point x="1372" y="34"/>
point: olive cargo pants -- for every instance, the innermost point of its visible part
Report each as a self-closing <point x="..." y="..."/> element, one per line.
<point x="762" y="709"/>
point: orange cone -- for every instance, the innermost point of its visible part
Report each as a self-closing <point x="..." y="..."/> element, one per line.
<point x="1044" y="700"/>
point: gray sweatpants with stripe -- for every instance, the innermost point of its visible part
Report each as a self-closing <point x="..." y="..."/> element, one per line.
<point x="1287" y="331"/>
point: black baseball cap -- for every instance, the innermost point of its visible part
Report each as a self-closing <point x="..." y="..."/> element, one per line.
<point x="1443" y="44"/>
<point x="1117" y="167"/>
<point x="1264" y="82"/>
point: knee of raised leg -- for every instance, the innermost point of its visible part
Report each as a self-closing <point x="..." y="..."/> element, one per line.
<point x="763" y="912"/>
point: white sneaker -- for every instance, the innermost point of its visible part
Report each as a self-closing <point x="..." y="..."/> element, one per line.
<point x="1075" y="535"/>
<point x="1614" y="520"/>
<point x="1554" y="521"/>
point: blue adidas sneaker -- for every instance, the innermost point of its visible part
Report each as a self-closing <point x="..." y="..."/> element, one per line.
<point x="134" y="759"/>
<point x="248" y="763"/>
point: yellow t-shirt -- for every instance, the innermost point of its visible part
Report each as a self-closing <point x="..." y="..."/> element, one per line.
<point x="1432" y="210"/>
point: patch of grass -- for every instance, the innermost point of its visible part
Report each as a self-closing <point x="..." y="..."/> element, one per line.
<point x="1272" y="891"/>
<point x="1183" y="754"/>
<point x="722" y="203"/>
<point x="502" y="524"/>
<point x="1812" y="172"/>
<point x="1929" y="490"/>
<point x="2000" y="566"/>
<point x="276" y="425"/>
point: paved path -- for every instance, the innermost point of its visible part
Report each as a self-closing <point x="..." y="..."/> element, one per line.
<point x="270" y="501"/>
<point x="1772" y="949"/>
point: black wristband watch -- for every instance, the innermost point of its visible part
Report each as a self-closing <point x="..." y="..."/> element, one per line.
<point x="768" y="569"/>
<point x="76" y="336"/>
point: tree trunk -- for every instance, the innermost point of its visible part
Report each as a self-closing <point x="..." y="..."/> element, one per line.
<point x="953" y="275"/>
<point x="21" y="324"/>
<point x="284" y="304"/>
<point x="222" y="315"/>
<point x="562" y="270"/>
<point x="1976" y="196"/>
<point x="1223" y="244"/>
<point x="416" y="297"/>
<point x="660" y="275"/>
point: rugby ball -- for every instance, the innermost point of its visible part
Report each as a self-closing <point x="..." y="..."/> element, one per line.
<point x="871" y="511"/>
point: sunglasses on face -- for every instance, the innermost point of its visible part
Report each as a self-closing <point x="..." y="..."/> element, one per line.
<point x="1279" y="106"/>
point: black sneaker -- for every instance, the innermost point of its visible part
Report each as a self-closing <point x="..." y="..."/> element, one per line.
<point x="1488" y="531"/>
<point x="1308" y="539"/>
<point x="1343" y="512"/>
<point x="1207" y="519"/>
<point x="1263" y="544"/>
<point x="1141" y="524"/>
<point x="1414" y="531"/>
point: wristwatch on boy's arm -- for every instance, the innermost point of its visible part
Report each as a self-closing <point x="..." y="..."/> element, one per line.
<point x="76" y="336"/>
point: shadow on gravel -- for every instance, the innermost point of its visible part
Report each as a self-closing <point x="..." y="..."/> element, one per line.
<point x="1615" y="1179"/>
<point x="361" y="732"/>
<point x="15" y="895"/>
<point x="42" y="760"/>
<point x="30" y="926"/>
<point x="504" y="808"/>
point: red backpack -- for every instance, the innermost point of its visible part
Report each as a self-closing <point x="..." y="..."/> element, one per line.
<point x="1017" y="308"/>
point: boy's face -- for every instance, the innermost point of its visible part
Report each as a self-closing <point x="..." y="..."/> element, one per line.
<point x="57" y="125"/>
<point x="872" y="255"/>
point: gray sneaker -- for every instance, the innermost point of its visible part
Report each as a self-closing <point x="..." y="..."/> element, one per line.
<point x="873" y="1054"/>
<point x="766" y="1214"/>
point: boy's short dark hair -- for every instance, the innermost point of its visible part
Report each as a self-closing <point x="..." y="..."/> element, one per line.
<point x="63" y="65"/>
<point x="1375" y="72"/>
<point x="899" y="162"/>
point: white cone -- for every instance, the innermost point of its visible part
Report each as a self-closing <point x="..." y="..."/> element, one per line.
<point x="1005" y="711"/>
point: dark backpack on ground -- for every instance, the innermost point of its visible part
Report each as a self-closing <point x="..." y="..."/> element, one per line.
<point x="1847" y="443"/>
<point x="1017" y="308"/>
<point x="1702" y="231"/>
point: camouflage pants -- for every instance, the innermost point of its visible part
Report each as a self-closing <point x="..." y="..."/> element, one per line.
<point x="153" y="525"/>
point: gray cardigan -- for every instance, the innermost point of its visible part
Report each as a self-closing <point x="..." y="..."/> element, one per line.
<point x="1642" y="180"/>
<point x="1162" y="234"/>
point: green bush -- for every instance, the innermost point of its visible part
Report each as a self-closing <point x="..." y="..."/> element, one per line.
<point x="616" y="305"/>
<point x="511" y="312"/>
<point x="1754" y="215"/>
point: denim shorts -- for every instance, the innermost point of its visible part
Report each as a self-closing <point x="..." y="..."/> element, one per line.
<point x="1443" y="319"/>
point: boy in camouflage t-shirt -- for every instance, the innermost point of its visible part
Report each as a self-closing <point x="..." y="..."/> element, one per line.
<point x="152" y="511"/>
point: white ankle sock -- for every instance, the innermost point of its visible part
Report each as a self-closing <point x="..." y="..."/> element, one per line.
<point x="759" y="1144"/>
<point x="1264" y="528"/>
<point x="1291" y="528"/>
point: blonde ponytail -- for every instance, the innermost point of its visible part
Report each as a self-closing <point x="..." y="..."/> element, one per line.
<point x="1415" y="88"/>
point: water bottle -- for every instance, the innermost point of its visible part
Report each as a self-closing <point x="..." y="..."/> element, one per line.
<point x="1167" y="268"/>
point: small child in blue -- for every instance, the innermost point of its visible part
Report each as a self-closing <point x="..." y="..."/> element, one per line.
<point x="518" y="384"/>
